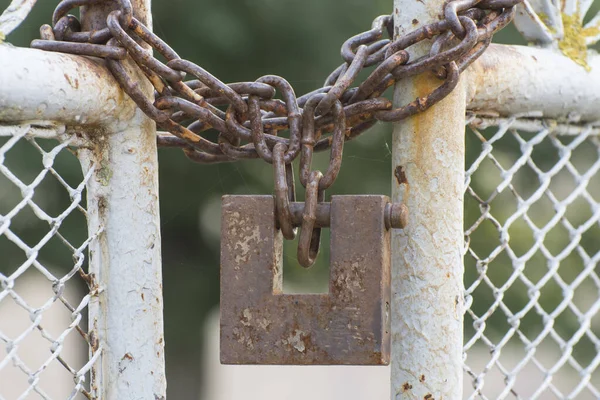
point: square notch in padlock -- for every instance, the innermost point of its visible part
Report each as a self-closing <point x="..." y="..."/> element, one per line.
<point x="261" y="325"/>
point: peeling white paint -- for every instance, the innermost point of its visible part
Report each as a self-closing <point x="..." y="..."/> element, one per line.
<point x="295" y="340"/>
<point x="126" y="262"/>
<point x="126" y="258"/>
<point x="81" y="89"/>
<point x="427" y="325"/>
<point x="510" y="80"/>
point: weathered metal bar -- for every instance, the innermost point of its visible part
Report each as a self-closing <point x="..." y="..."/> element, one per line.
<point x="395" y="215"/>
<point x="427" y="267"/>
<point x="505" y="80"/>
<point x="126" y="311"/>
<point x="73" y="90"/>
<point x="509" y="80"/>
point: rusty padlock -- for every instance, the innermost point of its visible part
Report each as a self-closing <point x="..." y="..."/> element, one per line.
<point x="349" y="325"/>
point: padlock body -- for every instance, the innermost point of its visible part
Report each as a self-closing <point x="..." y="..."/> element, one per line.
<point x="262" y="325"/>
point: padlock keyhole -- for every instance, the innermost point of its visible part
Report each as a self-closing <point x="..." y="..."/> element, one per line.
<point x="299" y="280"/>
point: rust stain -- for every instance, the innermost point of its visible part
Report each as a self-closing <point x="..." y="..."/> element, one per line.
<point x="124" y="363"/>
<point x="102" y="205"/>
<point x="73" y="83"/>
<point x="423" y="85"/>
<point x="68" y="79"/>
<point x="93" y="339"/>
<point x="427" y="127"/>
<point x="400" y="175"/>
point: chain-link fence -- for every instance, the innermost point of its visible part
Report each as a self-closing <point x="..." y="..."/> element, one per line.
<point x="44" y="288"/>
<point x="532" y="212"/>
<point x="532" y="223"/>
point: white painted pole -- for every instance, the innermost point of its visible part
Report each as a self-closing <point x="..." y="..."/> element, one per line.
<point x="427" y="265"/>
<point x="509" y="80"/>
<point x="126" y="312"/>
<point x="76" y="91"/>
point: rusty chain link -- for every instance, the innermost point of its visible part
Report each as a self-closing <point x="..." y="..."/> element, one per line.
<point x="249" y="117"/>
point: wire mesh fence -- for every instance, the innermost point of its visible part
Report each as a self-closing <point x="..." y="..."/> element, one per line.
<point x="532" y="212"/>
<point x="44" y="289"/>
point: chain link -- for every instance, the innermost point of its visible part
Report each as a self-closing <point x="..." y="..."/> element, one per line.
<point x="249" y="117"/>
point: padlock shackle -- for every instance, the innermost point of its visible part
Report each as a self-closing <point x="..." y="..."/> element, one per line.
<point x="396" y="215"/>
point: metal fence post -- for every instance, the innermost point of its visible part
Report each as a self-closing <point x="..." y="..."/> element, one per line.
<point x="427" y="267"/>
<point x="126" y="313"/>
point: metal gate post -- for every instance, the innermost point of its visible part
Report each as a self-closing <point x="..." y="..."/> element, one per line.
<point x="427" y="266"/>
<point x="126" y="311"/>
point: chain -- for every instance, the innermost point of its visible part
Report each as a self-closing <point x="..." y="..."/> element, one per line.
<point x="249" y="117"/>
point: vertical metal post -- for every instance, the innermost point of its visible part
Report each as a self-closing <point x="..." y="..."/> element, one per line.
<point x="126" y="311"/>
<point x="427" y="266"/>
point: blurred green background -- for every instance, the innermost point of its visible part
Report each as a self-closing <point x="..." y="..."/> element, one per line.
<point x="241" y="40"/>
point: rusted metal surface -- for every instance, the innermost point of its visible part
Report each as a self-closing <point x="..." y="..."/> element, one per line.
<point x="284" y="192"/>
<point x="262" y="325"/>
<point x="395" y="215"/>
<point x="310" y="236"/>
<point x="250" y="127"/>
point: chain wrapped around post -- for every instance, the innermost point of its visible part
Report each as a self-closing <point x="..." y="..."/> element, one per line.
<point x="248" y="116"/>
